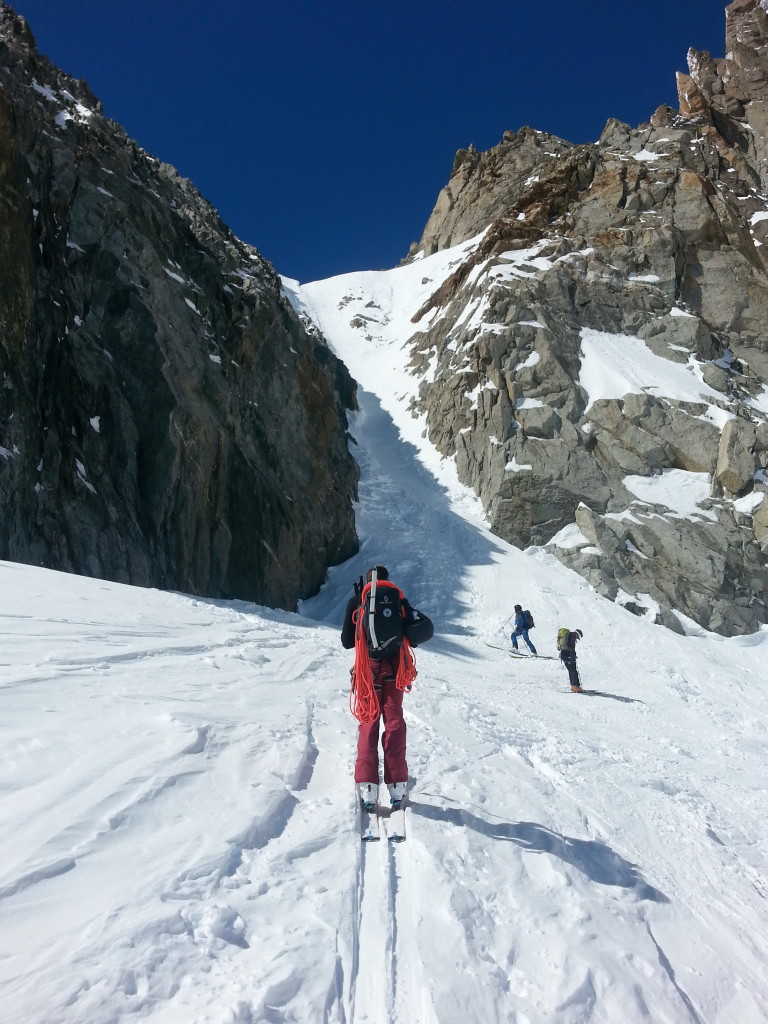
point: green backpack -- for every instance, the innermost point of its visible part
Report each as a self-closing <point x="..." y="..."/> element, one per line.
<point x="562" y="637"/>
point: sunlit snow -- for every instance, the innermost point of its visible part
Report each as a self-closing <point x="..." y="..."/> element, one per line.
<point x="677" y="489"/>
<point x="613" y="365"/>
<point x="180" y="844"/>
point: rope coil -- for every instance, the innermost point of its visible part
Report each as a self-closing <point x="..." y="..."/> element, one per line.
<point x="363" y="699"/>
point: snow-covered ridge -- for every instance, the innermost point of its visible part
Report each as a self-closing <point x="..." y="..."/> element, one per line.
<point x="479" y="354"/>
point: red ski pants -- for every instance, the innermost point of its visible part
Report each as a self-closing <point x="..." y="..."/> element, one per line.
<point x="393" y="740"/>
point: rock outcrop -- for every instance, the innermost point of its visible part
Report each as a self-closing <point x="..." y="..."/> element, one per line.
<point x="165" y="419"/>
<point x="609" y="327"/>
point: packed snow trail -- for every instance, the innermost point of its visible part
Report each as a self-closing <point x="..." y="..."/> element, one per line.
<point x="181" y="840"/>
<point x="180" y="837"/>
<point x="412" y="509"/>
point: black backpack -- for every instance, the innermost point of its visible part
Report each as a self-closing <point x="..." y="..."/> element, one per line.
<point x="382" y="618"/>
<point x="528" y="622"/>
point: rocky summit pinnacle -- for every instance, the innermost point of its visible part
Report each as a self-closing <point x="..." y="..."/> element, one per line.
<point x="165" y="418"/>
<point x="641" y="259"/>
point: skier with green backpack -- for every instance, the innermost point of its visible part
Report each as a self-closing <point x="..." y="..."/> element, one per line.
<point x="566" y="645"/>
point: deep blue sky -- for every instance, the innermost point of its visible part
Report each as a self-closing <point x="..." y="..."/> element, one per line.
<point x="323" y="130"/>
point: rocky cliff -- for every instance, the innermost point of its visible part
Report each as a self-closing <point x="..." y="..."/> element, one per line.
<point x="605" y="338"/>
<point x="165" y="420"/>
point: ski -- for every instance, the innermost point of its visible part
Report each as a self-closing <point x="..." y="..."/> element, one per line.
<point x="396" y="825"/>
<point x="512" y="654"/>
<point x="370" y="825"/>
<point x="519" y="654"/>
<point x="389" y="820"/>
<point x="535" y="657"/>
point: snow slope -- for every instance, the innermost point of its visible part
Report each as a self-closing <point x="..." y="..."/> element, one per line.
<point x="179" y="838"/>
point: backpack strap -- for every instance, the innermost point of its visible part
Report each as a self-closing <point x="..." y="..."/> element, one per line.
<point x="372" y="609"/>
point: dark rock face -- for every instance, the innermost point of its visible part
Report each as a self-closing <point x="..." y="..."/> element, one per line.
<point x="165" y="420"/>
<point x="654" y="240"/>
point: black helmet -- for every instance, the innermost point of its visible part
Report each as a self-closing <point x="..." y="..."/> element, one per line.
<point x="518" y="607"/>
<point x="579" y="632"/>
<point x="381" y="573"/>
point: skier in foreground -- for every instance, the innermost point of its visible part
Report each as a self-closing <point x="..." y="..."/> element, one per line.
<point x="381" y="625"/>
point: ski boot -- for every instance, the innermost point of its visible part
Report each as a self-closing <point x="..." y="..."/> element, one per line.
<point x="369" y="794"/>
<point x="397" y="794"/>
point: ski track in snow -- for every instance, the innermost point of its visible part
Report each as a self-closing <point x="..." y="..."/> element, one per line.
<point x="181" y="841"/>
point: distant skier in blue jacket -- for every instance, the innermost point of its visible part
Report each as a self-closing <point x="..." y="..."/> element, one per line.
<point x="523" y="622"/>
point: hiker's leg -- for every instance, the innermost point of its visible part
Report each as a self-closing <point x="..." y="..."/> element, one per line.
<point x="393" y="741"/>
<point x="573" y="672"/>
<point x="367" y="764"/>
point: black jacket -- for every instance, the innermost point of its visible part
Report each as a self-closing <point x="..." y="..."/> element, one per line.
<point x="568" y="650"/>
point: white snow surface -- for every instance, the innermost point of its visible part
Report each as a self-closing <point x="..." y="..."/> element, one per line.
<point x="613" y="365"/>
<point x="678" y="489"/>
<point x="179" y="838"/>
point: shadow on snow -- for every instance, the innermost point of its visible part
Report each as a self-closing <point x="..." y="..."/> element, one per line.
<point x="405" y="521"/>
<point x="590" y="856"/>
<point x="613" y="696"/>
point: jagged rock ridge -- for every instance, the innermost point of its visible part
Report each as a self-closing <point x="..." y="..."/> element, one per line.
<point x="165" y="419"/>
<point x="649" y="244"/>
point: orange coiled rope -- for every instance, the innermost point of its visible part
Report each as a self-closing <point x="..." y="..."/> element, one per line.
<point x="363" y="699"/>
<point x="406" y="670"/>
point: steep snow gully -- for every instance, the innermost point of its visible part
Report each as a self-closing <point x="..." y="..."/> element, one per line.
<point x="180" y="840"/>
